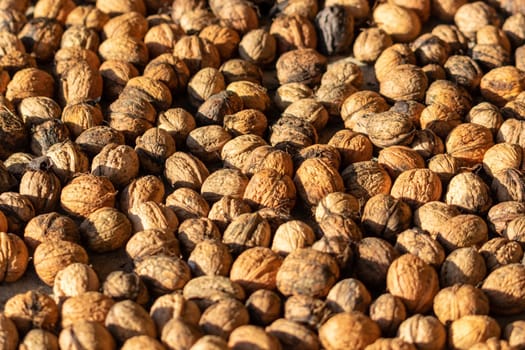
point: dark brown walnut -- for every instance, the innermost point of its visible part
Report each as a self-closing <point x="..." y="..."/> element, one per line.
<point x="210" y="257"/>
<point x="500" y="251"/>
<point x="217" y="106"/>
<point x="373" y="256"/>
<point x="452" y="303"/>
<point x="335" y="29"/>
<point x="440" y="119"/>
<point x="348" y="295"/>
<point x="256" y="268"/>
<point x="507" y="185"/>
<point x="390" y="128"/>
<point x="490" y="56"/>
<point x="450" y="94"/>
<point x="264" y="306"/>
<point x="464" y="71"/>
<point x="290" y="92"/>
<point x="30" y="82"/>
<point x="253" y="95"/>
<point x="163" y="274"/>
<point x="469" y="330"/>
<point x="67" y="160"/>
<point x="31" y="309"/>
<point x="369" y="44"/>
<point x="178" y="122"/>
<point x="15" y="257"/>
<point x="52" y="256"/>
<point x="258" y="46"/>
<point x="248" y="336"/>
<point x="39" y="339"/>
<point x="184" y="170"/>
<point x="319" y="151"/>
<point x="223" y="317"/>
<point x="236" y="151"/>
<point x="464" y="230"/>
<point x="37" y="109"/>
<point x="46" y="134"/>
<point x="187" y="204"/>
<point x="81" y="116"/>
<point x="402" y="24"/>
<point x="388" y="312"/>
<point x="226" y="39"/>
<point x="425" y="332"/>
<point x="17" y="163"/>
<point x="470" y="18"/>
<point x="322" y="275"/>
<point x="18" y="210"/>
<point x="293" y="335"/>
<point x="7" y="179"/>
<point x="41" y="37"/>
<point x="80" y="36"/>
<point x="88" y="306"/>
<point x="206" y="142"/>
<point x="207" y="290"/>
<point x="501" y="85"/>
<point x="171" y="306"/>
<point x="247" y="121"/>
<point x="513" y="109"/>
<point x="396" y="159"/>
<point x="205" y="83"/>
<point x="301" y="66"/>
<point x="196" y="53"/>
<point x="50" y="227"/>
<point x="293" y="32"/>
<point x="463" y="265"/>
<point x="385" y="216"/>
<point x="75" y="279"/>
<point x="237" y="69"/>
<point x="124" y="48"/>
<point x="415" y="241"/>
<point x="127" y="319"/>
<point x="84" y="333"/>
<point x="292" y="134"/>
<point x="224" y="182"/>
<point x="307" y="311"/>
<point x="115" y="75"/>
<point x="42" y="188"/>
<point x="356" y="108"/>
<point x="193" y="231"/>
<point x="414" y="281"/>
<point x="468" y="142"/>
<point x="469" y="193"/>
<point x="349" y="329"/>
<point x="170" y="70"/>
<point x="226" y="209"/>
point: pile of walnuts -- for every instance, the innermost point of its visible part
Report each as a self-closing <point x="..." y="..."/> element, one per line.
<point x="281" y="174"/>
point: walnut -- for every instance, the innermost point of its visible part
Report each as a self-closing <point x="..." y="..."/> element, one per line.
<point x="127" y="319"/>
<point x="500" y="251"/>
<point x="470" y="18"/>
<point x="362" y="331"/>
<point x="300" y="66"/>
<point x="247" y="121"/>
<point x="152" y="215"/>
<point x="290" y="92"/>
<point x="115" y="74"/>
<point x="178" y="122"/>
<point x="210" y="342"/>
<point x="206" y="142"/>
<point x="226" y="39"/>
<point x="396" y="159"/>
<point x="504" y="290"/>
<point x="415" y="241"/>
<point x="31" y="309"/>
<point x="405" y="82"/>
<point x="513" y="230"/>
<point x="468" y="192"/>
<point x="218" y="106"/>
<point x="17" y="163"/>
<point x="366" y="179"/>
<point x="513" y="28"/>
<point x="142" y="342"/>
<point x="132" y="24"/>
<point x="105" y="229"/>
<point x="390" y="343"/>
<point x="85" y="333"/>
<point x="124" y="48"/>
<point x="18" y="210"/>
<point x="197" y="53"/>
<point x="293" y="32"/>
<point x="246" y="231"/>
<point x="454" y="302"/>
<point x="92" y="140"/>
<point x="187" y="204"/>
<point x="373" y="258"/>
<point x="306" y="310"/>
<point x="335" y="28"/>
<point x="369" y="44"/>
<point x="388" y="312"/>
<point x="50" y="227"/>
<point x="86" y="193"/>
<point x="239" y="15"/>
<point x="122" y="6"/>
<point x="264" y="306"/>
<point x="514" y="333"/>
<point x="80" y="36"/>
<point x="292" y="235"/>
<point x="425" y="332"/>
<point x="292" y="334"/>
<point x="41" y="36"/>
<point x="81" y="116"/>
<point x="184" y="170"/>
<point x="42" y="188"/>
<point x="15" y="257"/>
<point x="507" y="185"/>
<point x="414" y="281"/>
<point x="87" y="15"/>
<point x="252" y="336"/>
<point x="141" y="189"/>
<point x="292" y="134"/>
<point x="402" y="24"/>
<point x="79" y="83"/>
<point x="205" y="83"/>
<point x="463" y="265"/>
<point x="452" y="95"/>
<point x="163" y="274"/>
<point x="258" y="46"/>
<point x="256" y="268"/>
<point x="390" y="128"/>
<point x="24" y="84"/>
<point x="348" y="295"/>
<point x="237" y="69"/>
<point x="471" y="329"/>
<point x="210" y="257"/>
<point x="207" y="290"/>
<point x="224" y="182"/>
<point x="492" y="89"/>
<point x="39" y="339"/>
<point x="178" y="334"/>
<point x="73" y="280"/>
<point x="47" y="134"/>
<point x="226" y="209"/>
<point x="223" y="317"/>
<point x="353" y="147"/>
<point x="11" y="19"/>
<point x="320" y="152"/>
<point x="37" y="109"/>
<point x="358" y="106"/>
<point x="193" y="231"/>
<point x="461" y="231"/>
<point x="417" y="187"/>
<point x="174" y="306"/>
<point x="385" y="216"/>
<point x="440" y="119"/>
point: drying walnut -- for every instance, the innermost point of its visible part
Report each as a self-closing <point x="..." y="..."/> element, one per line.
<point x="203" y="84"/>
<point x="92" y="140"/>
<point x="352" y="146"/>
<point x="352" y="329"/>
<point x="432" y="215"/>
<point x="492" y="89"/>
<point x="42" y="188"/>
<point x="174" y="306"/>
<point x="184" y="170"/>
<point x="124" y="48"/>
<point x="253" y="95"/>
<point x="210" y="342"/>
<point x="396" y="159"/>
<point x="507" y="185"/>
<point x="89" y="306"/>
<point x="348" y="295"/>
<point x="152" y="215"/>
<point x="417" y="187"/>
<point x="11" y="18"/>
<point x="115" y="75"/>
<point x="132" y="24"/>
<point x="513" y="28"/>
<point x="195" y="20"/>
<point x="511" y="131"/>
<point x="440" y="119"/>
<point x="358" y="106"/>
<point x="68" y="57"/>
<point x="187" y="204"/>
<point x="50" y="227"/>
<point x="247" y="121"/>
<point x="292" y="235"/>
<point x="207" y="290"/>
<point x="246" y="231"/>
<point x="300" y="66"/>
<point x="385" y="216"/>
<point x="80" y="36"/>
<point x="79" y="83"/>
<point x="218" y="106"/>
<point x="464" y="230"/>
<point x="17" y="163"/>
<point x="81" y="116"/>
<point x="335" y="29"/>
<point x="47" y="134"/>
<point x="139" y="342"/>
<point x="425" y="332"/>
<point x="237" y="69"/>
<point x="370" y="43"/>
<point x="514" y="333"/>
<point x="504" y="289"/>
<point x="333" y="95"/>
<point x="170" y="70"/>
<point x="314" y="179"/>
<point x="468" y="143"/>
<point x="490" y="56"/>
<point x="127" y="319"/>
<point x="290" y="92"/>
<point x="51" y="257"/>
<point x="459" y="300"/>
<point x="320" y="152"/>
<point x="239" y="15"/>
<point x="31" y="309"/>
<point x="73" y="280"/>
<point x="224" y="182"/>
<point x="468" y="192"/>
<point x="37" y="109"/>
<point x="226" y="39"/>
<point x="500" y="251"/>
<point x="293" y="335"/>
<point x="306" y="310"/>
<point x="373" y="256"/>
<point x="472" y="329"/>
<point x="223" y="317"/>
<point x="206" y="142"/>
<point x="41" y="36"/>
<point x="105" y="229"/>
<point x="471" y="17"/>
<point x="450" y="94"/>
<point x="366" y="179"/>
<point x="86" y="193"/>
<point x="485" y="114"/>
<point x="141" y="189"/>
<point x="256" y="268"/>
<point x="226" y="209"/>
<point x="390" y="128"/>
<point x="402" y="24"/>
<point x="338" y="203"/>
<point x="197" y="53"/>
<point x="264" y="306"/>
<point x="513" y="231"/>
<point x="463" y="265"/>
<point x="152" y="90"/>
<point x="292" y="134"/>
<point x="163" y="274"/>
<point x="39" y="339"/>
<point x="415" y="241"/>
<point x="193" y="231"/>
<point x="210" y="257"/>
<point x="414" y="281"/>
<point x="235" y="152"/>
<point x="252" y="336"/>
<point x="152" y="242"/>
<point x="83" y="334"/>
<point x="258" y="46"/>
<point x="18" y="210"/>
<point x="24" y="84"/>
<point x="388" y="312"/>
<point x="293" y="32"/>
<point x="14" y="259"/>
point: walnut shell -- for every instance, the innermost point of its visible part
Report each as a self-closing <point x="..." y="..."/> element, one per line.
<point x="81" y="116"/>
<point x="348" y="329"/>
<point x="290" y="92"/>
<point x="163" y="274"/>
<point x="80" y="83"/>
<point x="415" y="241"/>
<point x="402" y="24"/>
<point x="450" y="94"/>
<point x="425" y="332"/>
<point x="206" y="142"/>
<point x="48" y="134"/>
<point x="293" y="335"/>
<point x="171" y="306"/>
<point x="178" y="122"/>
<point x="80" y="36"/>
<point x="52" y="256"/>
<point x="15" y="257"/>
<point x="390" y="128"/>
<point x="247" y="121"/>
<point x="300" y="66"/>
<point x="454" y="302"/>
<point x="184" y="170"/>
<point x="187" y="204"/>
<point x="105" y="229"/>
<point x="335" y="29"/>
<point x="237" y="69"/>
<point x="249" y="335"/>
<point x="417" y="187"/>
<point x="31" y="309"/>
<point x="210" y="257"/>
<point x="366" y="179"/>
<point x="37" y="109"/>
<point x="85" y="333"/>
<point x="385" y="216"/>
<point x="50" y="227"/>
<point x="178" y="334"/>
<point x="86" y="193"/>
<point x="193" y="231"/>
<point x="264" y="306"/>
<point x="388" y="312"/>
<point x="207" y="290"/>
<point x="293" y="32"/>
<point x="373" y="258"/>
<point x="464" y="230"/>
<point x="152" y="215"/>
<point x="256" y="268"/>
<point x="306" y="310"/>
<point x="226" y="39"/>
<point x="30" y="82"/>
<point x="225" y="210"/>
<point x="246" y="231"/>
<point x="223" y="317"/>
<point x="258" y="46"/>
<point x="292" y="235"/>
<point x="492" y="89"/>
<point x="88" y="306"/>
<point x="42" y="188"/>
<point x="197" y="53"/>
<point x="124" y="48"/>
<point x="396" y="159"/>
<point x="39" y="339"/>
<point x="73" y="280"/>
<point x="504" y="290"/>
<point x="414" y="281"/>
<point x="468" y="192"/>
<point x="18" y="210"/>
<point x="348" y="295"/>
<point x="471" y="329"/>
<point x="292" y="134"/>
<point x="142" y="342"/>
<point x="41" y="36"/>
<point x="405" y="82"/>
<point x="127" y="319"/>
<point x="463" y="265"/>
